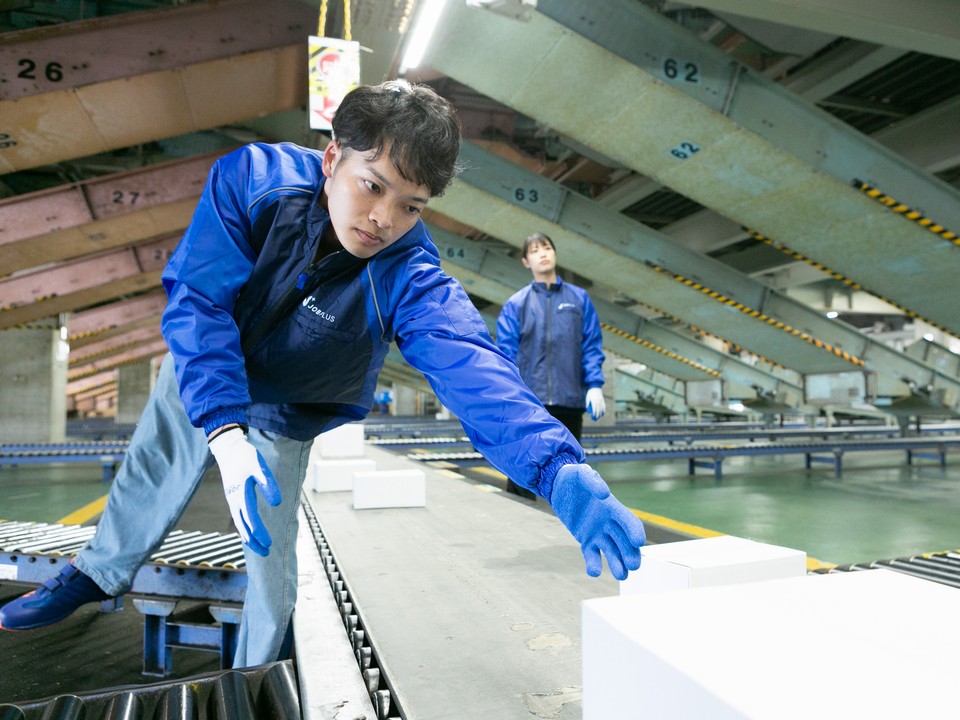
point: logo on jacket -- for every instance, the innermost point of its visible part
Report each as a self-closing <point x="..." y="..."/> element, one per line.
<point x="564" y="306"/>
<point x="308" y="303"/>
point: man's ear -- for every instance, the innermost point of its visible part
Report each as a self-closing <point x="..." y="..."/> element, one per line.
<point x="331" y="155"/>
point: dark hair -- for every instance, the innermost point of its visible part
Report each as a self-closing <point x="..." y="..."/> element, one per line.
<point x="421" y="127"/>
<point x="537" y="238"/>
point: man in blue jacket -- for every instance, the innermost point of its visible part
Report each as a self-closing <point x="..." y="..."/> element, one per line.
<point x="298" y="270"/>
<point x="551" y="331"/>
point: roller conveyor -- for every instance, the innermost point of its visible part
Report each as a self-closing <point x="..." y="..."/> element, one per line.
<point x="591" y="439"/>
<point x="414" y="428"/>
<point x="186" y="566"/>
<point x="28" y="549"/>
<point x="712" y="456"/>
<point x="941" y="567"/>
<point x="108" y="453"/>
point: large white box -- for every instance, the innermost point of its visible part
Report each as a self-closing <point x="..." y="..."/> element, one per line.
<point x="722" y="560"/>
<point x="344" y="441"/>
<point x="389" y="488"/>
<point x="868" y="644"/>
<point x="336" y="475"/>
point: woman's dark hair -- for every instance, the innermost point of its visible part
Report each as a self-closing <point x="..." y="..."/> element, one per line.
<point x="538" y="238"/>
<point x="421" y="128"/>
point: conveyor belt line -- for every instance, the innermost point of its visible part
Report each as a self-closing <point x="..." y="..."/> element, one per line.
<point x="941" y="567"/>
<point x="176" y="539"/>
<point x="671" y="437"/>
<point x="53" y="544"/>
<point x="233" y="561"/>
<point x="215" y="542"/>
<point x="189" y="565"/>
<point x="721" y="451"/>
<point x="378" y="684"/>
<point x="920" y="570"/>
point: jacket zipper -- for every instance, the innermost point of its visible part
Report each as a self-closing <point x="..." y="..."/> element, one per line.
<point x="549" y="352"/>
<point x="283" y="306"/>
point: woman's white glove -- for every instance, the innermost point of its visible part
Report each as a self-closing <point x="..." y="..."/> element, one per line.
<point x="596" y="405"/>
<point x="242" y="470"/>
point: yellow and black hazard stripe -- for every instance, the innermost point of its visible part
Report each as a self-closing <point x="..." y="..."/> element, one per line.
<point x="90" y="357"/>
<point x="662" y="350"/>
<point x="780" y="325"/>
<point x="845" y="280"/>
<point x="89" y="333"/>
<point x="906" y="211"/>
<point x="701" y="331"/>
<point x="105" y="385"/>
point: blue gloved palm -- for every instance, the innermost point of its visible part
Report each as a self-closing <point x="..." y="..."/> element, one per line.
<point x="599" y="522"/>
<point x="243" y="470"/>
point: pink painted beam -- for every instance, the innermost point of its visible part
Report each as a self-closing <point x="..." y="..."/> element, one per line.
<point x="70" y="55"/>
<point x="118" y="314"/>
<point x="138" y="354"/>
<point x="78" y="275"/>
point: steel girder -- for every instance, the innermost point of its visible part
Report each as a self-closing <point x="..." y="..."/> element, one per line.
<point x="625" y="332"/>
<point x="682" y="112"/>
<point x="509" y="202"/>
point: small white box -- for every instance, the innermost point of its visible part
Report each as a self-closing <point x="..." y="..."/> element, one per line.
<point x="789" y="649"/>
<point x="336" y="475"/>
<point x="344" y="441"/>
<point x="389" y="488"/>
<point x="723" y="560"/>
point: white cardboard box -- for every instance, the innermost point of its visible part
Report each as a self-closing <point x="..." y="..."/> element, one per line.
<point x="722" y="560"/>
<point x="336" y="475"/>
<point x="868" y="644"/>
<point x="389" y="488"/>
<point x="344" y="441"/>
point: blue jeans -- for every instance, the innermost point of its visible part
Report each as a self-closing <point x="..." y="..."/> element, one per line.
<point x="164" y="464"/>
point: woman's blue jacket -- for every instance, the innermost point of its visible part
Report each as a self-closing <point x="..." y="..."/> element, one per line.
<point x="553" y="334"/>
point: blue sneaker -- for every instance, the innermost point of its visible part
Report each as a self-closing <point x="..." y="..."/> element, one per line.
<point x="51" y="602"/>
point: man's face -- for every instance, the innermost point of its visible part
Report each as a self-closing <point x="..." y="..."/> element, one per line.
<point x="371" y="205"/>
<point x="541" y="258"/>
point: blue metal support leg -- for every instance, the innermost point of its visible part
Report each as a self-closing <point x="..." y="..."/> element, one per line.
<point x="161" y="635"/>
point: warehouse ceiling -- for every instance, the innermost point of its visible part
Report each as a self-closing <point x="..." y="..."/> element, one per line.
<point x="719" y="175"/>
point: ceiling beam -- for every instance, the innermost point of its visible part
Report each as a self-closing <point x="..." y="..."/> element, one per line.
<point x="925" y="26"/>
<point x="718" y="134"/>
<point x="93" y="86"/>
<point x="113" y="211"/>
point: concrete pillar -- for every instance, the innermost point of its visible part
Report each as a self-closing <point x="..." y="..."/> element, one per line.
<point x="405" y="400"/>
<point x="134" y="384"/>
<point x="33" y="383"/>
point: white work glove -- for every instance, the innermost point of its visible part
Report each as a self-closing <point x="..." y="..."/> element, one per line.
<point x="243" y="469"/>
<point x="595" y="403"/>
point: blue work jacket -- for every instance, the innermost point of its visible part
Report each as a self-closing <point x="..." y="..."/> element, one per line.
<point x="263" y="334"/>
<point x="553" y="335"/>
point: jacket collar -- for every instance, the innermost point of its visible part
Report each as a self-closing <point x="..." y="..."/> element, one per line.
<point x="545" y="288"/>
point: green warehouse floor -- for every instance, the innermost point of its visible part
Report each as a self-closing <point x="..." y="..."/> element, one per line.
<point x="881" y="508"/>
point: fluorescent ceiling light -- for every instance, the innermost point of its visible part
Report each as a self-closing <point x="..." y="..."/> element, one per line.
<point x="421" y="34"/>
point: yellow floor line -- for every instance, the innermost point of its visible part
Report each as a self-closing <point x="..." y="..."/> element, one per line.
<point x="490" y="471"/>
<point x="677" y="525"/>
<point x="701" y="532"/>
<point x="687" y="528"/>
<point x="78" y="517"/>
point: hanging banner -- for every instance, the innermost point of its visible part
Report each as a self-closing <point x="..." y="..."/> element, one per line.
<point x="334" y="70"/>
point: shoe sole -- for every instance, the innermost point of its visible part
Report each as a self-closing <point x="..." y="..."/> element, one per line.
<point x="31" y="627"/>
